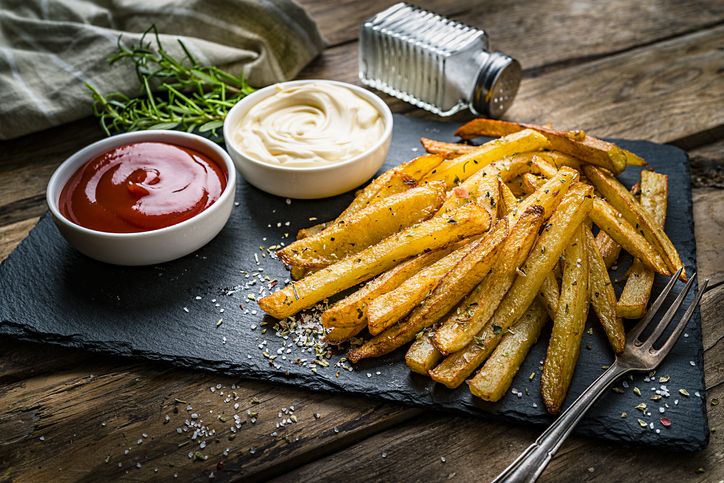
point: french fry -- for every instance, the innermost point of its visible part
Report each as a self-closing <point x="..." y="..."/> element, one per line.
<point x="422" y="354"/>
<point x="508" y="201"/>
<point x="549" y="291"/>
<point x="575" y="143"/>
<point x="389" y="308"/>
<point x="493" y="380"/>
<point x="531" y="182"/>
<point x="464" y="277"/>
<point x="456" y="284"/>
<point x="475" y="310"/>
<point x="549" y="294"/>
<point x="338" y="335"/>
<point x="392" y="181"/>
<point x="616" y="226"/>
<point x="312" y="230"/>
<point x="561" y="227"/>
<point x="603" y="298"/>
<point x="559" y="159"/>
<point x="608" y="248"/>
<point x="365" y="227"/>
<point x="429" y="235"/>
<point x="635" y="295"/>
<point x="541" y="166"/>
<point x="568" y="325"/>
<point x="481" y="190"/>
<point x="458" y="169"/>
<point x="446" y="150"/>
<point x="621" y="199"/>
<point x="351" y="311"/>
<point x="298" y="273"/>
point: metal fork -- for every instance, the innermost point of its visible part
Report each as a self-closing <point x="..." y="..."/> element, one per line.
<point x="638" y="355"/>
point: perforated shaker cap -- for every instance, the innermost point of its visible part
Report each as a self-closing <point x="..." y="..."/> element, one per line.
<point x="496" y="86"/>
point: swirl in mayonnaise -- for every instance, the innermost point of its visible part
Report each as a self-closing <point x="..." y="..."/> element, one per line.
<point x="309" y="125"/>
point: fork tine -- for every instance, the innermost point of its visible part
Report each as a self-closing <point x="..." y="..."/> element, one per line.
<point x="669" y="315"/>
<point x="636" y="331"/>
<point x="664" y="350"/>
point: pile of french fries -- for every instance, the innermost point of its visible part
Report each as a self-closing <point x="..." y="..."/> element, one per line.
<point x="468" y="251"/>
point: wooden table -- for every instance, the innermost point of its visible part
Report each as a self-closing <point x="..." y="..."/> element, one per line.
<point x="640" y="70"/>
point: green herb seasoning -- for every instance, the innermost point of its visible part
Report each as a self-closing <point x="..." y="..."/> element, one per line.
<point x="175" y="93"/>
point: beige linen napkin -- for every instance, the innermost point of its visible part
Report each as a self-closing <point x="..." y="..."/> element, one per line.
<point x="49" y="48"/>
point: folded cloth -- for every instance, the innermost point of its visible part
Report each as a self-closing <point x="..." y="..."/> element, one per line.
<point x="49" y="48"/>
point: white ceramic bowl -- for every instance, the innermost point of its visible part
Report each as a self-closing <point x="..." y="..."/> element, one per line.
<point x="308" y="182"/>
<point x="148" y="247"/>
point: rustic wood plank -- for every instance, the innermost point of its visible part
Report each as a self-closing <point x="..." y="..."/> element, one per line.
<point x="339" y="21"/>
<point x="583" y="32"/>
<point x="634" y="94"/>
<point x="11" y="235"/>
<point x="106" y="407"/>
<point x="709" y="231"/>
<point x="707" y="165"/>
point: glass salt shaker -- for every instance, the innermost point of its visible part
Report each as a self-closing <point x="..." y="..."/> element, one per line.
<point x="435" y="63"/>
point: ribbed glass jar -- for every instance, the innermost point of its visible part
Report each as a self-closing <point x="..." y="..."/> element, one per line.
<point x="435" y="63"/>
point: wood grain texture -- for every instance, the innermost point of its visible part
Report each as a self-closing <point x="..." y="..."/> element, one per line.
<point x="631" y="69"/>
<point x="44" y="430"/>
<point x="635" y="94"/>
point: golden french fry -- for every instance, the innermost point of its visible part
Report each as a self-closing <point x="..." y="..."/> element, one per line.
<point x="603" y="297"/>
<point x="475" y="310"/>
<point x="575" y="143"/>
<point x="481" y="190"/>
<point x="351" y="311"/>
<point x="561" y="227"/>
<point x="546" y="163"/>
<point x="458" y="169"/>
<point x="456" y="284"/>
<point x="568" y="325"/>
<point x="389" y="308"/>
<point x="508" y="201"/>
<point x="493" y="380"/>
<point x="338" y="335"/>
<point x="635" y="295"/>
<point x="608" y="248"/>
<point x="616" y="226"/>
<point x="468" y="221"/>
<point x="312" y="230"/>
<point x="299" y="273"/>
<point x="422" y="354"/>
<point x="541" y="166"/>
<point x="621" y="199"/>
<point x="446" y="150"/>
<point x="365" y="227"/>
<point x="549" y="291"/>
<point x="531" y="182"/>
<point x="549" y="294"/>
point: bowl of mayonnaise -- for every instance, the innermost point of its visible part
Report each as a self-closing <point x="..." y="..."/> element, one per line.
<point x="310" y="138"/>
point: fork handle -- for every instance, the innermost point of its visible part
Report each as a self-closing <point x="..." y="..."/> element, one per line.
<point x="531" y="463"/>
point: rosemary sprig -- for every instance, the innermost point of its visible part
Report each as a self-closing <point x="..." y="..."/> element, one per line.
<point x="175" y="93"/>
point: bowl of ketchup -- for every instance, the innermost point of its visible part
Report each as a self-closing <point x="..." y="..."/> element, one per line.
<point x="143" y="198"/>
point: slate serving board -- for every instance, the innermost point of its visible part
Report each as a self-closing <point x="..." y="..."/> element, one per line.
<point x="50" y="293"/>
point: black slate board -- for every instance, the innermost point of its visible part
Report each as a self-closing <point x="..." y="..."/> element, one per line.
<point x="51" y="293"/>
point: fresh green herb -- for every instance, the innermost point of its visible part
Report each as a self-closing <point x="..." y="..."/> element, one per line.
<point x="176" y="93"/>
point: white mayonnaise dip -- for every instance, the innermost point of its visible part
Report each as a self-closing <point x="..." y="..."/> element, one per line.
<point x="309" y="125"/>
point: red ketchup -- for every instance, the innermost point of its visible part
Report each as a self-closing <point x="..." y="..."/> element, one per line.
<point x="141" y="187"/>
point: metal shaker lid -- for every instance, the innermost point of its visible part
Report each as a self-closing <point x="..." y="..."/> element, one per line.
<point x="496" y="85"/>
